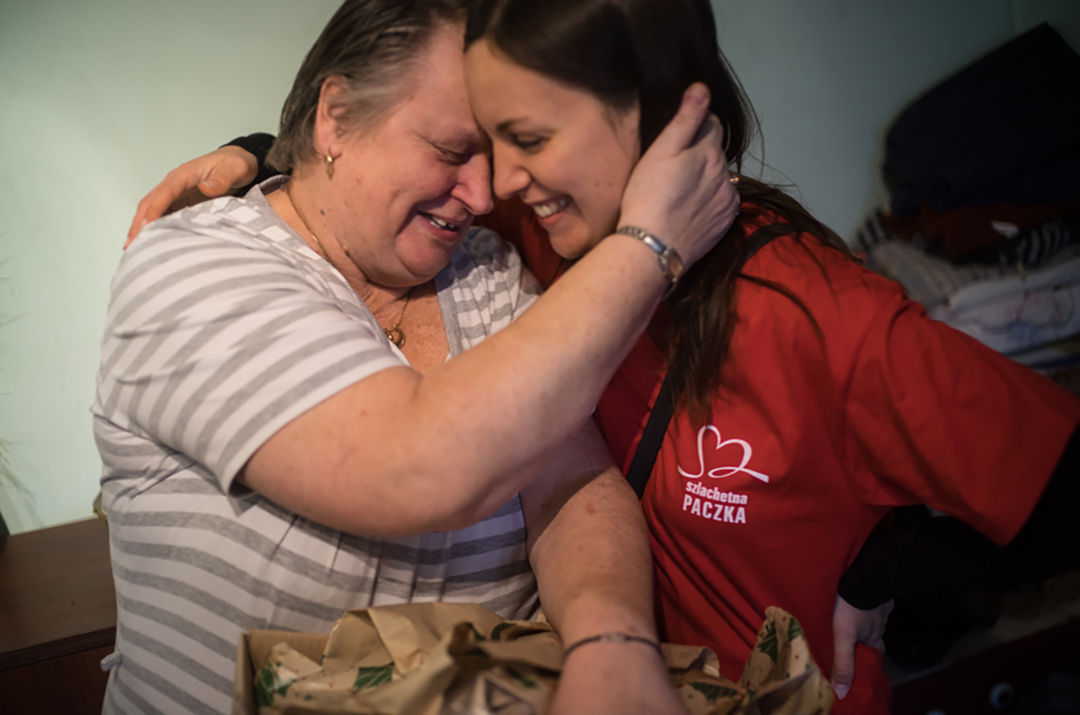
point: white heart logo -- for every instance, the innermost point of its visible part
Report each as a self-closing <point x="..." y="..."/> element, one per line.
<point x="722" y="472"/>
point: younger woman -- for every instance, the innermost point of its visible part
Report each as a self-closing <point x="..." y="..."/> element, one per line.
<point x="811" y="395"/>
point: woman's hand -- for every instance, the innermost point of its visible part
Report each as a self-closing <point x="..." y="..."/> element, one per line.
<point x="616" y="678"/>
<point x="206" y="177"/>
<point x="681" y="190"/>
<point x="850" y="626"/>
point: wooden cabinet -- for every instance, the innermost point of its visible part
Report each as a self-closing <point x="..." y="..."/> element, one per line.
<point x="57" y="619"/>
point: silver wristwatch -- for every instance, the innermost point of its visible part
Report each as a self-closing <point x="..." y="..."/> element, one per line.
<point x="671" y="264"/>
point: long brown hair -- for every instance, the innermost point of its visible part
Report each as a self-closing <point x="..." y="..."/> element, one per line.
<point x="649" y="52"/>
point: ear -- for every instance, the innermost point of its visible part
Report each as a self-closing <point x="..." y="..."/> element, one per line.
<point x="329" y="117"/>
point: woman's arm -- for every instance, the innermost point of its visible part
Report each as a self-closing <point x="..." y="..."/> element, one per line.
<point x="470" y="429"/>
<point x="458" y="430"/>
<point x="939" y="553"/>
<point x="589" y="549"/>
<point x="942" y="553"/>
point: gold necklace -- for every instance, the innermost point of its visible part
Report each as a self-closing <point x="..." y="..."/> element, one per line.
<point x="394" y="333"/>
<point x="296" y="209"/>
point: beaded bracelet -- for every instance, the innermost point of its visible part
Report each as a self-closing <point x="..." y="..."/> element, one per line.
<point x="612" y="637"/>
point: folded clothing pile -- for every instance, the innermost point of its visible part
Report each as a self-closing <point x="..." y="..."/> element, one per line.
<point x="983" y="226"/>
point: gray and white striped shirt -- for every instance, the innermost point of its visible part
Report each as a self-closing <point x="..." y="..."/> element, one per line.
<point x="222" y="327"/>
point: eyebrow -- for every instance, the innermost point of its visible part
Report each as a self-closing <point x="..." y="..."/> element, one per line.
<point x="463" y="143"/>
<point x="507" y="124"/>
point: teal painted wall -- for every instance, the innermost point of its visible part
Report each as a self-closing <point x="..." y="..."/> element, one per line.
<point x="98" y="100"/>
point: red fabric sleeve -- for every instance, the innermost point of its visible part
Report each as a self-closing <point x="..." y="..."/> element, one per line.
<point x="943" y="420"/>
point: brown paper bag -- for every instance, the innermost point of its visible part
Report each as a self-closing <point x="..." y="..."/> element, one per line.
<point x="437" y="658"/>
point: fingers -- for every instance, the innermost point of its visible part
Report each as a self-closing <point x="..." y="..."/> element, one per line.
<point x="851" y="625"/>
<point x="843" y="672"/>
<point x="710" y="138"/>
<point x="709" y="128"/>
<point x="206" y="177"/>
<point x="138" y="221"/>
<point x="225" y="175"/>
<point x="157" y="202"/>
<point x="684" y="127"/>
<point x="876" y="636"/>
<point x="680" y="190"/>
<point x="845" y="635"/>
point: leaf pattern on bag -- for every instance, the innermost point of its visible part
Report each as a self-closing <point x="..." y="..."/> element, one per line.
<point x="768" y="644"/>
<point x="370" y="677"/>
<point x="714" y="692"/>
<point x="521" y="678"/>
<point x="794" y="630"/>
<point x="269" y="684"/>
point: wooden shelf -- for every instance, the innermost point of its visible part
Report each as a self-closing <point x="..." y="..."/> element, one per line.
<point x="57" y="617"/>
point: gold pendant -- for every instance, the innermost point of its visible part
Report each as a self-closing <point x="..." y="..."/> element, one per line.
<point x="395" y="336"/>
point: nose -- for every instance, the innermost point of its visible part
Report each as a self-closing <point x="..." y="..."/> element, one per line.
<point x="474" y="185"/>
<point x="511" y="178"/>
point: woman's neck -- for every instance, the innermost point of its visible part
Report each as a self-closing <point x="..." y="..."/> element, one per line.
<point x="296" y="204"/>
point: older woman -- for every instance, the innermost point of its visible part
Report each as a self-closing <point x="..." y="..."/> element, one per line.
<point x="303" y="405"/>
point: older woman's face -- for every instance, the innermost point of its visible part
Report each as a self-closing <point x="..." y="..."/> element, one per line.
<point x="562" y="150"/>
<point x="406" y="190"/>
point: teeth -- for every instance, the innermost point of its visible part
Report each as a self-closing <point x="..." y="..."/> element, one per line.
<point x="551" y="207"/>
<point x="442" y="224"/>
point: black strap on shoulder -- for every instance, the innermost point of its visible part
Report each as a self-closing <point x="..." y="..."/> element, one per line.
<point x="649" y="446"/>
<point x="755" y="242"/>
<point x="656" y="427"/>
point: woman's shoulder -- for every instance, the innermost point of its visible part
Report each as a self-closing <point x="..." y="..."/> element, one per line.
<point x="228" y="222"/>
<point x="790" y="257"/>
<point x="795" y="274"/>
<point x="242" y="232"/>
<point x="237" y="244"/>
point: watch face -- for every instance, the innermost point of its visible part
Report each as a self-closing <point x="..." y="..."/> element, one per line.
<point x="671" y="264"/>
<point x="675" y="267"/>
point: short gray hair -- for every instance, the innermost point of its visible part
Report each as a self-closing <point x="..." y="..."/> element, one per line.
<point x="371" y="45"/>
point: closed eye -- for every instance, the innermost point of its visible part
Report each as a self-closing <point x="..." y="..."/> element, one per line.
<point x="526" y="142"/>
<point x="456" y="158"/>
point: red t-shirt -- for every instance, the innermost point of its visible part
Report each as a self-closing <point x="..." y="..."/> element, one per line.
<point x="811" y="442"/>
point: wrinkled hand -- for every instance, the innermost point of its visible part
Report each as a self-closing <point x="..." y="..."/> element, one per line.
<point x="206" y="177"/>
<point x="681" y="189"/>
<point x="615" y="678"/>
<point x="850" y="626"/>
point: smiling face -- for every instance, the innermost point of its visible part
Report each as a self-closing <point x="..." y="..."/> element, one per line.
<point x="405" y="191"/>
<point x="562" y="151"/>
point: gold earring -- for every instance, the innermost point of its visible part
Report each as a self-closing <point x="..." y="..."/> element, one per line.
<point x="329" y="166"/>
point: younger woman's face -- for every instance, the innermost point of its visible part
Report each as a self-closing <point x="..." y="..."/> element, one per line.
<point x="561" y="150"/>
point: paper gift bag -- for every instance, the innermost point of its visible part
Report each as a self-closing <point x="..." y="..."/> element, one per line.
<point x="437" y="658"/>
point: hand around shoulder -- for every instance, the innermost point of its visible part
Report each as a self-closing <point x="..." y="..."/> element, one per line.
<point x="206" y="177"/>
